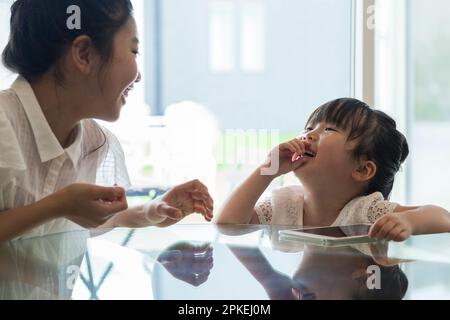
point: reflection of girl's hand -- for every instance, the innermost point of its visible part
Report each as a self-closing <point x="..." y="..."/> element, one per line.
<point x="189" y="263"/>
<point x="379" y="253"/>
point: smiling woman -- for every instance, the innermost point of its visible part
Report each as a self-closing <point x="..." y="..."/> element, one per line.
<point x="55" y="153"/>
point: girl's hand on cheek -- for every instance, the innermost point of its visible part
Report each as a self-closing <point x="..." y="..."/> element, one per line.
<point x="393" y="226"/>
<point x="91" y="206"/>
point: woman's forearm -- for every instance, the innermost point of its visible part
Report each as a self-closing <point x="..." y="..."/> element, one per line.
<point x="138" y="217"/>
<point x="239" y="208"/>
<point x="429" y="219"/>
<point x="135" y="217"/>
<point x="17" y="221"/>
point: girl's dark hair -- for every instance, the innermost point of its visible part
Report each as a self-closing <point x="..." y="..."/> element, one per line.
<point x="40" y="35"/>
<point x="376" y="134"/>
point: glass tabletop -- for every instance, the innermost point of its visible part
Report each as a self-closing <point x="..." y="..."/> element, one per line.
<point x="218" y="262"/>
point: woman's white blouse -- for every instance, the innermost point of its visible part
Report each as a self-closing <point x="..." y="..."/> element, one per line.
<point x="33" y="164"/>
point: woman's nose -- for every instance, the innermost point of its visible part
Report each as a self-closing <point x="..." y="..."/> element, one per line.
<point x="139" y="78"/>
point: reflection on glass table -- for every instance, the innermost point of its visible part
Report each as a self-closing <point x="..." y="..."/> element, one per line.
<point x="199" y="262"/>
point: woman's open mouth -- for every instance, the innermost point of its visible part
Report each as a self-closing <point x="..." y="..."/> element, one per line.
<point x="127" y="91"/>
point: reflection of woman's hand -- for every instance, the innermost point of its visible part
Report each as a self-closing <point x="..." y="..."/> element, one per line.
<point x="188" y="263"/>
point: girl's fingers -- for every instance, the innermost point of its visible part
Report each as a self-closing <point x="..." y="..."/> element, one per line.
<point x="295" y="146"/>
<point x="382" y="234"/>
<point x="402" y="236"/>
<point x="373" y="232"/>
<point x="287" y="146"/>
<point x="394" y="233"/>
<point x="300" y="146"/>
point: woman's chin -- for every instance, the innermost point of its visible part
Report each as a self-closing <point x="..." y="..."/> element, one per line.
<point x="110" y="117"/>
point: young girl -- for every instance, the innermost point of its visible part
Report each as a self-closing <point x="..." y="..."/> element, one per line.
<point x="346" y="161"/>
<point x="51" y="151"/>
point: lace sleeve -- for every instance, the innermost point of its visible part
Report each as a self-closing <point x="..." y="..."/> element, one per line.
<point x="264" y="211"/>
<point x="377" y="209"/>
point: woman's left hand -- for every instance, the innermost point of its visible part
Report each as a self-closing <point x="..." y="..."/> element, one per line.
<point x="392" y="226"/>
<point x="181" y="201"/>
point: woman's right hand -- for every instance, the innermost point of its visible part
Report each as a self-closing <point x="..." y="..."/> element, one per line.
<point x="290" y="156"/>
<point x="89" y="205"/>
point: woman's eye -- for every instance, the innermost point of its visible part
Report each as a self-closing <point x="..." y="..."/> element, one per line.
<point x="136" y="53"/>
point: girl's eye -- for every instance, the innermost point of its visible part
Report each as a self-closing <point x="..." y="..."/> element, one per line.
<point x="307" y="130"/>
<point x="330" y="129"/>
<point x="136" y="53"/>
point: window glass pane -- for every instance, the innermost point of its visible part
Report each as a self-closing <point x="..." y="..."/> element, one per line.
<point x="222" y="36"/>
<point x="273" y="63"/>
<point x="253" y="35"/>
<point x="430" y="36"/>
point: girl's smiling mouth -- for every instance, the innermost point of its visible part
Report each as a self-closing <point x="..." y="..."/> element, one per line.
<point x="307" y="154"/>
<point x="310" y="154"/>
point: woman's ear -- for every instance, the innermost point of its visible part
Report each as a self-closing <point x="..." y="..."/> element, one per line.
<point x="365" y="171"/>
<point x="82" y="54"/>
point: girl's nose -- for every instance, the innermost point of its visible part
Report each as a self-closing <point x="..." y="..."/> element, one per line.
<point x="306" y="137"/>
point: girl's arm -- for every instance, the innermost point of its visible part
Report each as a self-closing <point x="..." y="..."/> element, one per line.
<point x="240" y="207"/>
<point x="407" y="221"/>
<point x="426" y="219"/>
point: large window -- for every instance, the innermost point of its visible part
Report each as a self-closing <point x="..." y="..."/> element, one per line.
<point x="224" y="75"/>
<point x="224" y="80"/>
